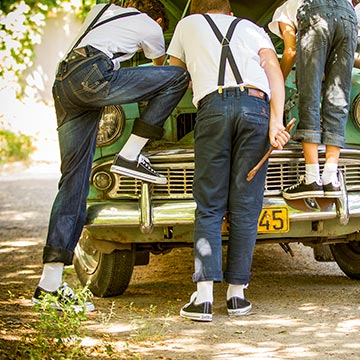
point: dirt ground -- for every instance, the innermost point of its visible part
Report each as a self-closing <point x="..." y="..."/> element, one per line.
<point x="302" y="309"/>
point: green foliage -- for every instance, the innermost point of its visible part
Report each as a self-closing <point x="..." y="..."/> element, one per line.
<point x="21" y="26"/>
<point x="145" y="325"/>
<point x="56" y="334"/>
<point x="15" y="147"/>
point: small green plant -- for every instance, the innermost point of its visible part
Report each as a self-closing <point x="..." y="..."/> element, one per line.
<point x="106" y="317"/>
<point x="56" y="334"/>
<point x="15" y="147"/>
<point x="146" y="326"/>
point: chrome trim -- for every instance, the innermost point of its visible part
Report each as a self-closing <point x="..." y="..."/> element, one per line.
<point x="342" y="203"/>
<point x="170" y="213"/>
<point x="282" y="172"/>
<point x="111" y="125"/>
<point x="146" y="219"/>
<point x="149" y="206"/>
<point x="355" y="108"/>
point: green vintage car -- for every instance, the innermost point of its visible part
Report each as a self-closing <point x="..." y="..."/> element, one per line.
<point x="128" y="219"/>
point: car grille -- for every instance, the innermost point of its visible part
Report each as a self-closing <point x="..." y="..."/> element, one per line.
<point x="281" y="174"/>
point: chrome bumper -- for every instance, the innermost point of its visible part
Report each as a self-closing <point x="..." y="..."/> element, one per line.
<point x="338" y="217"/>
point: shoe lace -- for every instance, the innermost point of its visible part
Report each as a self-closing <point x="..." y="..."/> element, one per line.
<point x="301" y="180"/>
<point x="66" y="292"/>
<point x="144" y="161"/>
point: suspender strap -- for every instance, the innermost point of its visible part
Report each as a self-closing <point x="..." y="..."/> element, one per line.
<point x="226" y="53"/>
<point x="115" y="17"/>
<point x="93" y="25"/>
<point x="130" y="13"/>
<point x="97" y="17"/>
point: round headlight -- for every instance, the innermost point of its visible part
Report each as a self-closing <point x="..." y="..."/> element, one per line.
<point x="356" y="111"/>
<point x="111" y="125"/>
<point x="102" y="180"/>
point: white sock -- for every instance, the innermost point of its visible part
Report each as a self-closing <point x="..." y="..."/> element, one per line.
<point x="132" y="147"/>
<point x="51" y="277"/>
<point x="204" y="292"/>
<point x="312" y="173"/>
<point x="236" y="291"/>
<point x="329" y="174"/>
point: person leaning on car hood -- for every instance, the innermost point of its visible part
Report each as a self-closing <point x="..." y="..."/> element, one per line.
<point x="89" y="78"/>
<point x="320" y="35"/>
<point x="357" y="52"/>
<point x="240" y="111"/>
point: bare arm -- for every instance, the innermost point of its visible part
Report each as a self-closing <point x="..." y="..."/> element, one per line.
<point x="277" y="134"/>
<point x="159" y="61"/>
<point x="289" y="55"/>
<point x="357" y="60"/>
<point x="177" y="62"/>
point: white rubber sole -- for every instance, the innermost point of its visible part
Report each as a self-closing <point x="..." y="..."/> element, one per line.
<point x="138" y="175"/>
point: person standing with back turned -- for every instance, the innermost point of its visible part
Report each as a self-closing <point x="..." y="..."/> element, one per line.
<point x="239" y="93"/>
<point x="320" y="35"/>
<point x="89" y="78"/>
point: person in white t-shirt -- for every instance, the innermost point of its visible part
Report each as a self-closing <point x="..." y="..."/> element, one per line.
<point x="238" y="90"/>
<point x="320" y="35"/>
<point x="357" y="52"/>
<point x="89" y="78"/>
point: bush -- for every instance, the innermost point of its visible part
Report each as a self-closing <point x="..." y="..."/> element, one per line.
<point x="15" y="147"/>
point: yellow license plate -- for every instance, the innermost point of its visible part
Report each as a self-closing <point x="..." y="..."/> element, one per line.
<point x="274" y="219"/>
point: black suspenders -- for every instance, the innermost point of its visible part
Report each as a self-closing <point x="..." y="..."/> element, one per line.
<point x="115" y="17"/>
<point x="226" y="53"/>
<point x="118" y="54"/>
<point x="93" y="25"/>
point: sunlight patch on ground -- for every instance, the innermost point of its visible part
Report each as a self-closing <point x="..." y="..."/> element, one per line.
<point x="18" y="216"/>
<point x="266" y="350"/>
<point x="349" y="325"/>
<point x="113" y="328"/>
<point x="13" y="243"/>
<point x="273" y="321"/>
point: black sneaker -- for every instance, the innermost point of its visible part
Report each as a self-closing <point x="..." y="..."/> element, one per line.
<point x="200" y="312"/>
<point x="65" y="297"/>
<point x="332" y="190"/>
<point x="238" y="306"/>
<point x="302" y="191"/>
<point x="139" y="169"/>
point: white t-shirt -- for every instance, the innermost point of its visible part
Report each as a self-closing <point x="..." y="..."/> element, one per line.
<point x="286" y="13"/>
<point x="126" y="35"/>
<point x="357" y="11"/>
<point x="195" y="43"/>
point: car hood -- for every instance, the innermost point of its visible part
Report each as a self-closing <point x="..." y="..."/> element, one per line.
<point x="260" y="13"/>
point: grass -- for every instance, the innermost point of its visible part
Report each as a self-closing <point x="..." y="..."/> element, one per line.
<point x="59" y="335"/>
<point x="55" y="334"/>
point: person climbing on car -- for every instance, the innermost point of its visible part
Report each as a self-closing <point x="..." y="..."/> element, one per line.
<point x="320" y="36"/>
<point x="87" y="79"/>
<point x="238" y="89"/>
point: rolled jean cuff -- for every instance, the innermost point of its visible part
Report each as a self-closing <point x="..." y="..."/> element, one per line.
<point x="333" y="139"/>
<point x="236" y="279"/>
<point x="148" y="131"/>
<point x="308" y="136"/>
<point x="201" y="277"/>
<point x="51" y="254"/>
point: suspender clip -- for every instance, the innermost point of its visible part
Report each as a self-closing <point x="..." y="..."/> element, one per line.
<point x="241" y="88"/>
<point x="220" y="90"/>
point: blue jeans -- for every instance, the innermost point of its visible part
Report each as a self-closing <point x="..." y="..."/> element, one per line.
<point x="80" y="91"/>
<point x="326" y="42"/>
<point x="231" y="136"/>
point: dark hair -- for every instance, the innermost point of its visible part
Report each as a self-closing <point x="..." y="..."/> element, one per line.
<point x="154" y="8"/>
<point x="202" y="7"/>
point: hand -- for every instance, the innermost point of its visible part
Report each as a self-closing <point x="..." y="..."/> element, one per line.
<point x="280" y="135"/>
